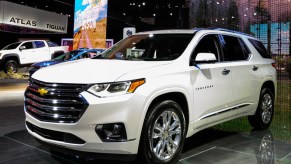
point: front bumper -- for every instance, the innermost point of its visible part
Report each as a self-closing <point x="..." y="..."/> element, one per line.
<point x="126" y="109"/>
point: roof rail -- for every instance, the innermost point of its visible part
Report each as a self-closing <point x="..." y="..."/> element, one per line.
<point x="223" y="29"/>
<point x="232" y="31"/>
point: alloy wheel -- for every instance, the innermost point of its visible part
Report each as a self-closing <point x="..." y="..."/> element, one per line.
<point x="166" y="135"/>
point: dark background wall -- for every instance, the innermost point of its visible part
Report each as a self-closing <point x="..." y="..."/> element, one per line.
<point x="169" y="14"/>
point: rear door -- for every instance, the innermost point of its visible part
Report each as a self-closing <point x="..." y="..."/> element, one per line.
<point x="42" y="51"/>
<point x="244" y="72"/>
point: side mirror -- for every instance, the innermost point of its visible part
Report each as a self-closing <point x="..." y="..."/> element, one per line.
<point x="22" y="48"/>
<point x="205" y="58"/>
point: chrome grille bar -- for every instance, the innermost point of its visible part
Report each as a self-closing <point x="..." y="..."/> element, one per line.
<point x="55" y="102"/>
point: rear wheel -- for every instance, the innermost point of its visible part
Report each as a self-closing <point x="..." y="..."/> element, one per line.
<point x="265" y="111"/>
<point x="163" y="133"/>
<point x="10" y="66"/>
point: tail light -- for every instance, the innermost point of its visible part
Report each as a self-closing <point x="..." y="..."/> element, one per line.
<point x="274" y="65"/>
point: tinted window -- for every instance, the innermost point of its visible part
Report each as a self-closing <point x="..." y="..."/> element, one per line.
<point x="260" y="48"/>
<point x="232" y="49"/>
<point x="28" y="45"/>
<point x="11" y="46"/>
<point x="208" y="44"/>
<point x="39" y="44"/>
<point x="150" y="47"/>
<point x="52" y="44"/>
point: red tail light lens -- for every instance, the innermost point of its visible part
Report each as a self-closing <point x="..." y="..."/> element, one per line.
<point x="274" y="65"/>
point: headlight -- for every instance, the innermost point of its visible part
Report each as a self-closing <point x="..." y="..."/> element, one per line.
<point x="115" y="89"/>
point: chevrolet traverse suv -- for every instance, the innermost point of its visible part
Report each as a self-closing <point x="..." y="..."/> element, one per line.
<point x="150" y="91"/>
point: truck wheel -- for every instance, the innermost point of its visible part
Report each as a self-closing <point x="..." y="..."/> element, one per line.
<point x="265" y="110"/>
<point x="163" y="134"/>
<point x="11" y="65"/>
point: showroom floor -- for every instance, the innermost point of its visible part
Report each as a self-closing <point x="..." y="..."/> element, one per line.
<point x="209" y="146"/>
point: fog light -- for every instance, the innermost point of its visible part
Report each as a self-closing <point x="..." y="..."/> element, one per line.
<point x="114" y="132"/>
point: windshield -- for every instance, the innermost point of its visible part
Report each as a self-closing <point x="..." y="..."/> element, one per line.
<point x="68" y="55"/>
<point x="11" y="46"/>
<point x="153" y="47"/>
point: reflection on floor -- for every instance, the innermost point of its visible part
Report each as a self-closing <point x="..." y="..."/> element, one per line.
<point x="229" y="143"/>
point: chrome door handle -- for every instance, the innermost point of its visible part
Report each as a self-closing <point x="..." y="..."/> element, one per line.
<point x="255" y="68"/>
<point x="225" y="71"/>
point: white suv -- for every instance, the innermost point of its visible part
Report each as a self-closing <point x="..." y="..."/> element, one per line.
<point x="152" y="90"/>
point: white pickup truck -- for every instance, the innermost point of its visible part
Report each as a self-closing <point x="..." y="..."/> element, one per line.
<point x="28" y="52"/>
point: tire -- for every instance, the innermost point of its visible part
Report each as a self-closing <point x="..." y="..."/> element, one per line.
<point x="11" y="65"/>
<point x="265" y="110"/>
<point x="170" y="135"/>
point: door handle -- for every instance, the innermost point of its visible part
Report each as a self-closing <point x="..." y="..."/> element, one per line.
<point x="255" y="68"/>
<point x="225" y="71"/>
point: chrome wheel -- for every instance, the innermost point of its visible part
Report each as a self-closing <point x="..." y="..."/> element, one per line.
<point x="11" y="67"/>
<point x="267" y="149"/>
<point x="267" y="108"/>
<point x="166" y="135"/>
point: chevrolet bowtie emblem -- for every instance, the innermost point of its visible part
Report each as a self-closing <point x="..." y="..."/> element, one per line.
<point x="42" y="91"/>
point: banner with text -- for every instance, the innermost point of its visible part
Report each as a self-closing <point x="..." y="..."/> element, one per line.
<point x="90" y="24"/>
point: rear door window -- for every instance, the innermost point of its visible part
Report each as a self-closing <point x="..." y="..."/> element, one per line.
<point x="260" y="48"/>
<point x="39" y="44"/>
<point x="234" y="48"/>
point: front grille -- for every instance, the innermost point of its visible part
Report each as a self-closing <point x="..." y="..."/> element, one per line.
<point x="55" y="135"/>
<point x="50" y="102"/>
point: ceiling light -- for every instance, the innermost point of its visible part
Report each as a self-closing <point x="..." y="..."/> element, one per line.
<point x="217" y="3"/>
<point x="133" y="4"/>
<point x="124" y="14"/>
<point x="143" y="3"/>
<point x="171" y="14"/>
<point x="154" y="15"/>
<point x="46" y="6"/>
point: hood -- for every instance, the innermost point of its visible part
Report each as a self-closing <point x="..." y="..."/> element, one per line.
<point x="46" y="63"/>
<point x="89" y="71"/>
<point x="7" y="51"/>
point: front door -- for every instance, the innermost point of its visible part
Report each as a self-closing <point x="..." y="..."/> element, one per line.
<point x="211" y="84"/>
<point x="27" y="53"/>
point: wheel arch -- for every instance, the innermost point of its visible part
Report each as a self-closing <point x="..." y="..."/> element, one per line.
<point x="178" y="95"/>
<point x="271" y="85"/>
<point x="11" y="57"/>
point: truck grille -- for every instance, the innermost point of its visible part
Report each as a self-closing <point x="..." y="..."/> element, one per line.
<point x="50" y="102"/>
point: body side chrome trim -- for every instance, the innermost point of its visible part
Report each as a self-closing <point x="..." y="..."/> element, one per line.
<point x="224" y="110"/>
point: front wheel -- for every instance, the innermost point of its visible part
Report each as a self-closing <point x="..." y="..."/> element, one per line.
<point x="163" y="134"/>
<point x="265" y="111"/>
